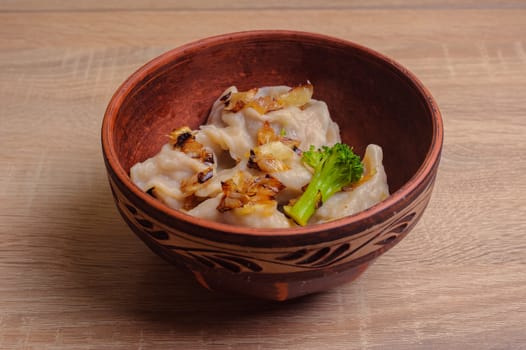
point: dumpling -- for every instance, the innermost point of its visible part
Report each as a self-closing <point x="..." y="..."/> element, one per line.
<point x="367" y="192"/>
<point x="311" y="124"/>
<point x="236" y="131"/>
<point x="165" y="174"/>
<point x="257" y="216"/>
<point x="207" y="209"/>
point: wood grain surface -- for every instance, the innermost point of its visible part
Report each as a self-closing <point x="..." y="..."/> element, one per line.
<point x="73" y="276"/>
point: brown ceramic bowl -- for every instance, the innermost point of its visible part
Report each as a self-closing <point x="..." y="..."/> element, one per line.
<point x="371" y="97"/>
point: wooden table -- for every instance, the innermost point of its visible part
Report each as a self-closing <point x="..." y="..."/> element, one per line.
<point x="73" y="276"/>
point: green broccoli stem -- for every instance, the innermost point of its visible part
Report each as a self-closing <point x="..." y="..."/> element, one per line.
<point x="321" y="188"/>
<point x="306" y="205"/>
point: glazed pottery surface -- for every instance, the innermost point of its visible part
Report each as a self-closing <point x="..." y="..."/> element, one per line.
<point x="371" y="97"/>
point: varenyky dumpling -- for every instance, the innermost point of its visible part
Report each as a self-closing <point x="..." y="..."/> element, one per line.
<point x="235" y="130"/>
<point x="371" y="189"/>
<point x="246" y="162"/>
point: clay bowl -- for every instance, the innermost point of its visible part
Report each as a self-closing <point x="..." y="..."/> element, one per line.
<point x="371" y="97"/>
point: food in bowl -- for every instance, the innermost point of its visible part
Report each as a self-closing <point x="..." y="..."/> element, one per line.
<point x="267" y="157"/>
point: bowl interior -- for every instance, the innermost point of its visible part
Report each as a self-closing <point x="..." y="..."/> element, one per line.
<point x="372" y="100"/>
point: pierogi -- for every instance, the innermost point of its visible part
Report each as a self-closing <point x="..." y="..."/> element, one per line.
<point x="245" y="163"/>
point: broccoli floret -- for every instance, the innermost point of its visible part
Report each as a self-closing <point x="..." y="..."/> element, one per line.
<point x="334" y="168"/>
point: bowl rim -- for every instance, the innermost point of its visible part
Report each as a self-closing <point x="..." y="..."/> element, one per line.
<point x="108" y="146"/>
